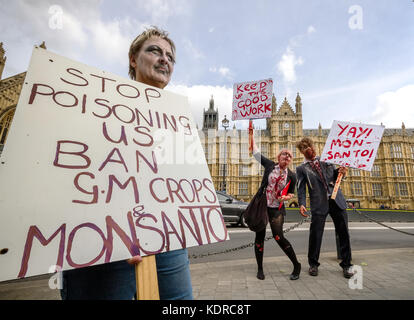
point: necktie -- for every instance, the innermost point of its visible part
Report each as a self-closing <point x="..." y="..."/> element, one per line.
<point x="317" y="167"/>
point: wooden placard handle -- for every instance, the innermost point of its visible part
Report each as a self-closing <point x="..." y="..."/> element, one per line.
<point x="336" y="188"/>
<point x="146" y="279"/>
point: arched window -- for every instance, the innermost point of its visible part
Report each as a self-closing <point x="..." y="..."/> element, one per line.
<point x="5" y="121"/>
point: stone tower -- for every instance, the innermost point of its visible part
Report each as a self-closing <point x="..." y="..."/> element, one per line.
<point x="298" y="105"/>
<point x="210" y="117"/>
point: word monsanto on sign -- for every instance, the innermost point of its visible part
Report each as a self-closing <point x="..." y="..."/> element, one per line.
<point x="352" y="144"/>
<point x="252" y="100"/>
<point x="98" y="168"/>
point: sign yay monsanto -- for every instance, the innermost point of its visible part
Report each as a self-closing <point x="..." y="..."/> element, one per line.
<point x="352" y="144"/>
<point x="98" y="168"/>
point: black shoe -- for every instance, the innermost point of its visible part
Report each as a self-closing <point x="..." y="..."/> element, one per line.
<point x="260" y="275"/>
<point x="347" y="272"/>
<point x="296" y="272"/>
<point x="313" y="271"/>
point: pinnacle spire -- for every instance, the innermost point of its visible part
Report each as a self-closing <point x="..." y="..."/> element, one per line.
<point x="211" y="103"/>
<point x="298" y="104"/>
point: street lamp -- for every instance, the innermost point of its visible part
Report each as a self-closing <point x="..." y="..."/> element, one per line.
<point x="225" y="124"/>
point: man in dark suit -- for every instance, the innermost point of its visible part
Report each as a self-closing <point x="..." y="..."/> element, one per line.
<point x="320" y="177"/>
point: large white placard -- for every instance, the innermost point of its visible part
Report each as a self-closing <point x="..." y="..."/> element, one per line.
<point x="98" y="168"/>
<point x="252" y="100"/>
<point x="352" y="144"/>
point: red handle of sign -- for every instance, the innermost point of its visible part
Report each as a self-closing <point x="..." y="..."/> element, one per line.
<point x="336" y="188"/>
<point x="250" y="136"/>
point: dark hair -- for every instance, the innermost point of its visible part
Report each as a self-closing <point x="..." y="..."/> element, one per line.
<point x="304" y="143"/>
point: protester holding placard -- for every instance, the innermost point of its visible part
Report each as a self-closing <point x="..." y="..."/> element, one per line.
<point x="279" y="184"/>
<point x="320" y="177"/>
<point x="151" y="61"/>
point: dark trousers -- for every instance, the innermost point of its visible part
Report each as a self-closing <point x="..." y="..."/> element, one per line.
<point x="317" y="226"/>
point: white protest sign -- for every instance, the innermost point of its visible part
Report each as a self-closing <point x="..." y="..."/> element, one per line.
<point x="98" y="168"/>
<point x="352" y="144"/>
<point x="252" y="100"/>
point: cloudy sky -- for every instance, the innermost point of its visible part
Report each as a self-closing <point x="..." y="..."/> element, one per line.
<point x="349" y="60"/>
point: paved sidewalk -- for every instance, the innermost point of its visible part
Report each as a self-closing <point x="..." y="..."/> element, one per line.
<point x="387" y="274"/>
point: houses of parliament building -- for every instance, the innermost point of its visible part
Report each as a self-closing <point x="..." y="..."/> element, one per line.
<point x="389" y="184"/>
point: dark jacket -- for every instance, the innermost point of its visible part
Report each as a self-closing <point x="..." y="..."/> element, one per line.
<point x="269" y="165"/>
<point x="319" y="197"/>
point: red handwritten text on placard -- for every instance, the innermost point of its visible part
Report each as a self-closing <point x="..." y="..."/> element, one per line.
<point x="74" y="154"/>
<point x="353" y="145"/>
<point x="196" y="219"/>
<point x="252" y="100"/>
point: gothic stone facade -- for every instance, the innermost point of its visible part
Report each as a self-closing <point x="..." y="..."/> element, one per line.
<point x="10" y="89"/>
<point x="389" y="184"/>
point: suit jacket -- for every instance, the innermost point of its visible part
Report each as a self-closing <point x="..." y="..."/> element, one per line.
<point x="319" y="197"/>
<point x="269" y="165"/>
